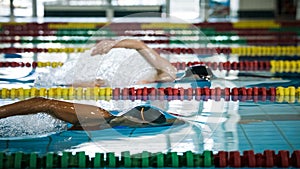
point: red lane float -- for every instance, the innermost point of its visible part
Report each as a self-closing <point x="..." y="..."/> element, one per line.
<point x="205" y="93"/>
<point x="267" y="159"/>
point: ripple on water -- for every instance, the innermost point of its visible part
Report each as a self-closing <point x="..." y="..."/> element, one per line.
<point x="35" y="125"/>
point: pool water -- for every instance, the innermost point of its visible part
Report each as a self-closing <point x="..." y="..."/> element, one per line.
<point x="209" y="124"/>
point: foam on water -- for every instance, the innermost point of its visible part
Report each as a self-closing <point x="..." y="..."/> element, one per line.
<point x="30" y="125"/>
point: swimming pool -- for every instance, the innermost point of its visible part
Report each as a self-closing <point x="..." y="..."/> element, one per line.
<point x="226" y="123"/>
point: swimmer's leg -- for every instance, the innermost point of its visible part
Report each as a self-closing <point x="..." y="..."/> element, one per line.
<point x="85" y="115"/>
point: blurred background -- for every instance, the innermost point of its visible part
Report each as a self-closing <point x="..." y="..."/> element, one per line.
<point x="187" y="9"/>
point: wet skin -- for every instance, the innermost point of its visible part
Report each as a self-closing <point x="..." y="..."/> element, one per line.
<point x="87" y="117"/>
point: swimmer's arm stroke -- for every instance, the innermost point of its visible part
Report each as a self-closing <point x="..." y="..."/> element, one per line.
<point x="83" y="116"/>
<point x="74" y="113"/>
<point x="166" y="71"/>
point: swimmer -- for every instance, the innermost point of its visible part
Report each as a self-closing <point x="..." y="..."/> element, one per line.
<point x="89" y="117"/>
<point x="114" y="63"/>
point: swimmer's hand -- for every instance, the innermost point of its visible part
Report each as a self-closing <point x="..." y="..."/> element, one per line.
<point x="105" y="46"/>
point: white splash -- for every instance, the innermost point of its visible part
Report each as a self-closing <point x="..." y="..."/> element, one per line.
<point x="30" y="125"/>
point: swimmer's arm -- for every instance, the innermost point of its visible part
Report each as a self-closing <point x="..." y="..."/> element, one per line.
<point x="166" y="71"/>
<point x="85" y="115"/>
<point x="36" y="105"/>
<point x="105" y="46"/>
<point x="130" y="44"/>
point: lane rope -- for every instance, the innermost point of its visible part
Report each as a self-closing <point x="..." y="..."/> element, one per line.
<point x="274" y="66"/>
<point x="279" y="94"/>
<point x="243" y="41"/>
<point x="242" y="51"/>
<point x="235" y="159"/>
